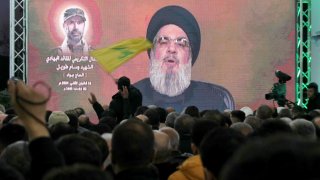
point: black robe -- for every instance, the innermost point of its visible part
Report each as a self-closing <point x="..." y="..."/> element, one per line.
<point x="200" y="94"/>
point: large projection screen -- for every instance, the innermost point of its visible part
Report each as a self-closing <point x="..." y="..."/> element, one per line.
<point x="315" y="43"/>
<point x="243" y="42"/>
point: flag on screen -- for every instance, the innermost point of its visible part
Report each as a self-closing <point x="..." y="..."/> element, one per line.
<point x="114" y="56"/>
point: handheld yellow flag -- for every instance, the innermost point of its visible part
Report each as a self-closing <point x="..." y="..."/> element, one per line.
<point x="114" y="56"/>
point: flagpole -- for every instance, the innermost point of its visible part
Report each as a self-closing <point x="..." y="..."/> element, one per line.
<point x="115" y="80"/>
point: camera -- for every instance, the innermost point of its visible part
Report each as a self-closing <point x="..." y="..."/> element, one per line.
<point x="278" y="91"/>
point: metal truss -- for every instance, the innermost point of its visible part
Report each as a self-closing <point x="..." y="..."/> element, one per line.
<point x="18" y="39"/>
<point x="303" y="49"/>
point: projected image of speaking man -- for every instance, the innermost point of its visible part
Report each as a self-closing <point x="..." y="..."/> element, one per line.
<point x="176" y="37"/>
<point x="170" y="63"/>
<point x="74" y="21"/>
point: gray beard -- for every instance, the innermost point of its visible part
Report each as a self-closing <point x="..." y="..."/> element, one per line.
<point x="169" y="83"/>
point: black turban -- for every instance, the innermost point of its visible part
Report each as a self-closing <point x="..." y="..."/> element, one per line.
<point x="180" y="17"/>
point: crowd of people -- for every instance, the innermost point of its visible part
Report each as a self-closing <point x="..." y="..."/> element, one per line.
<point x="138" y="141"/>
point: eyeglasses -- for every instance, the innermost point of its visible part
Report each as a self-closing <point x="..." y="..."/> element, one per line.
<point x="164" y="41"/>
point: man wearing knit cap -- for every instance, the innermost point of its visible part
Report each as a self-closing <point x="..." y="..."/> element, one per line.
<point x="74" y="43"/>
<point x="176" y="36"/>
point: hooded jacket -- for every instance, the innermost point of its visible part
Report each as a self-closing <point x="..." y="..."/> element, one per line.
<point x="191" y="168"/>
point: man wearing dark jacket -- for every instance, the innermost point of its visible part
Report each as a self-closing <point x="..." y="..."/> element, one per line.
<point x="314" y="96"/>
<point x="133" y="151"/>
<point x="124" y="103"/>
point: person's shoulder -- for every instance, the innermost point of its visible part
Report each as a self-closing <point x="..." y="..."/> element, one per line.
<point x="317" y="98"/>
<point x="143" y="81"/>
<point x="213" y="91"/>
<point x="142" y="84"/>
<point x="135" y="91"/>
<point x="117" y="96"/>
<point x="209" y="86"/>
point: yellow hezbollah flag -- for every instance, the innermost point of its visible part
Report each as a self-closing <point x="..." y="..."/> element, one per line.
<point x="112" y="57"/>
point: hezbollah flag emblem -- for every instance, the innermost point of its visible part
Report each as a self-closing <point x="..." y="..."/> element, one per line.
<point x="114" y="56"/>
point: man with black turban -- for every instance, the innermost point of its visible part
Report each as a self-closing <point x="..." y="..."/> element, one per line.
<point x="176" y="36"/>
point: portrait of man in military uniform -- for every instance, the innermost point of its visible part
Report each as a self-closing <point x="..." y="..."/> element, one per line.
<point x="74" y="44"/>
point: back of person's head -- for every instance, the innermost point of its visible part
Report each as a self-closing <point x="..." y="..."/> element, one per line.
<point x="140" y="110"/>
<point x="276" y="157"/>
<point x="200" y="129"/>
<point x="285" y="113"/>
<point x="79" y="111"/>
<point x="73" y="121"/>
<point x="313" y="114"/>
<point x="70" y="112"/>
<point x="170" y="109"/>
<point x="316" y="121"/>
<point x="61" y="129"/>
<point x="111" y="122"/>
<point x="297" y="111"/>
<point x="314" y="86"/>
<point x="203" y="112"/>
<point x="162" y="114"/>
<point x="83" y="120"/>
<point x="271" y="127"/>
<point x="108" y="138"/>
<point x="242" y="127"/>
<point x="153" y="118"/>
<point x="217" y="148"/>
<point x="237" y="116"/>
<point x="58" y="117"/>
<point x="142" y="117"/>
<point x="17" y="155"/>
<point x="161" y="146"/>
<point x="253" y="121"/>
<point x="226" y="116"/>
<point x="216" y="116"/>
<point x="7" y="172"/>
<point x="99" y="141"/>
<point x="78" y="149"/>
<point x="304" y="128"/>
<point x="264" y="112"/>
<point x="247" y="110"/>
<point x="286" y="120"/>
<point x="171" y="117"/>
<point x="183" y="124"/>
<point x="11" y="133"/>
<point x="193" y="111"/>
<point x="173" y="137"/>
<point x="76" y="172"/>
<point x="132" y="144"/>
